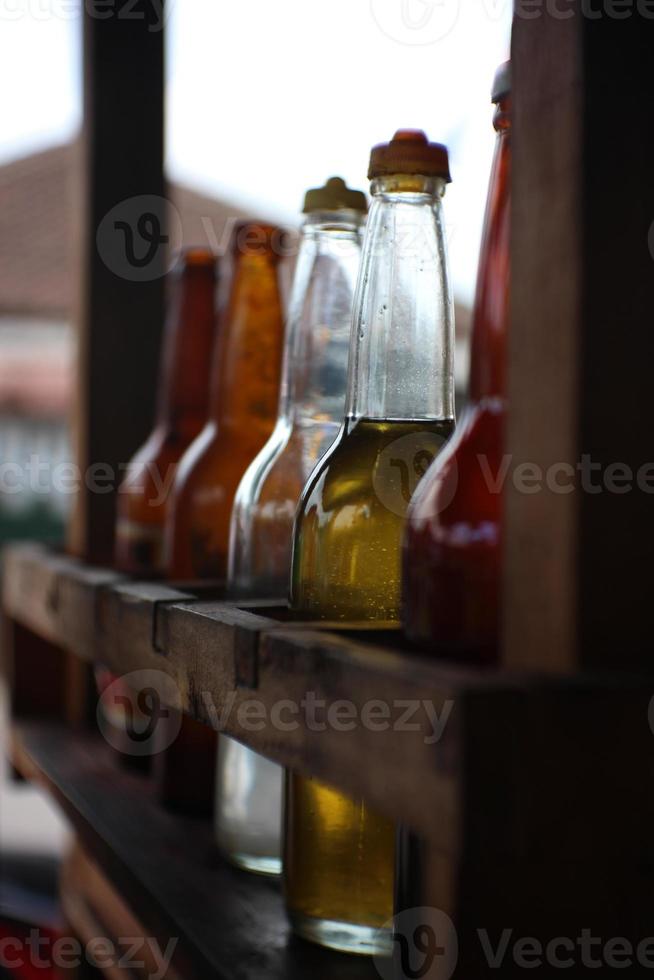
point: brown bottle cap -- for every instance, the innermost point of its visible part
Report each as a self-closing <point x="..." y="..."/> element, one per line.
<point x="502" y="82"/>
<point x="410" y="152"/>
<point x="334" y="195"/>
<point x="196" y="257"/>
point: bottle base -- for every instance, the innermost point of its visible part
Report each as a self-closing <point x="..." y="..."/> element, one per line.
<point x="271" y="867"/>
<point x="346" y="937"/>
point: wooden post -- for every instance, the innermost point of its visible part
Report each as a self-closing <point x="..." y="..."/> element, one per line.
<point x="122" y="240"/>
<point x="579" y="557"/>
<point x="122" y="219"/>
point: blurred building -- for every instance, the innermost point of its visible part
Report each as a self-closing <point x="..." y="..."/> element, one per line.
<point x="38" y="293"/>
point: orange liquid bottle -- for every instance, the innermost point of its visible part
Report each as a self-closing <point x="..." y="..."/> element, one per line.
<point x="451" y="580"/>
<point x="242" y="410"/>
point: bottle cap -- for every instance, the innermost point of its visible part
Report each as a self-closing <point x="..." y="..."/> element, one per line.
<point x="257" y="238"/>
<point x="334" y="195"/>
<point x="196" y="257"/>
<point x="502" y="82"/>
<point x="410" y="152"/>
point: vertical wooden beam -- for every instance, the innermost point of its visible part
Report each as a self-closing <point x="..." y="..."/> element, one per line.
<point x="578" y="559"/>
<point x="122" y="254"/>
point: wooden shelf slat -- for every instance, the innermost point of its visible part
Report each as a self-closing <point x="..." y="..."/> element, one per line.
<point x="502" y="774"/>
<point x="229" y="924"/>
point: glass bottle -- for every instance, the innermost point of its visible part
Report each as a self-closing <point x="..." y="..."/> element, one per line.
<point x="452" y="546"/>
<point x="339" y="855"/>
<point x="311" y="408"/>
<point x="183" y="394"/>
<point x="242" y="409"/>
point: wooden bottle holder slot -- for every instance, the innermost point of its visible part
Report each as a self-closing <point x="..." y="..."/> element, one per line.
<point x="462" y="755"/>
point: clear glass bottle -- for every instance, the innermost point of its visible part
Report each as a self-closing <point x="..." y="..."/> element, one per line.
<point x="311" y="408"/>
<point x="453" y="541"/>
<point x="339" y="855"/>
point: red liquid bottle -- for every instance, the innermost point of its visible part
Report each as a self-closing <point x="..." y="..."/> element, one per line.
<point x="181" y="413"/>
<point x="451" y="561"/>
<point x="183" y="766"/>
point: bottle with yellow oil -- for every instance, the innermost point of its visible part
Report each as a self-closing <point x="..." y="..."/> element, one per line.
<point x="339" y="855"/>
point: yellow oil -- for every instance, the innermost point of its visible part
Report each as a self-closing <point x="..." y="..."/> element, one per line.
<point x="340" y="855"/>
<point x="339" y="865"/>
<point x="348" y="538"/>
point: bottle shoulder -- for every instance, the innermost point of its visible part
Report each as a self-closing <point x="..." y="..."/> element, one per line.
<point x="373" y="467"/>
<point x="464" y="486"/>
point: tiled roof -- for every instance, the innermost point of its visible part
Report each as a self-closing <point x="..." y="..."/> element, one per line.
<point x="37" y="195"/>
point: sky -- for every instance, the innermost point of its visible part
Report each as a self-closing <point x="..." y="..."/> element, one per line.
<point x="265" y="99"/>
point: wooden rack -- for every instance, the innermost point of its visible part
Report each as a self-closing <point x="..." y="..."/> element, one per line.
<point x="526" y="772"/>
<point x="533" y="810"/>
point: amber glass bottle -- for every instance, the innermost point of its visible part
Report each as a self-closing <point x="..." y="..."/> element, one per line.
<point x="183" y="393"/>
<point x="183" y="771"/>
<point x="452" y="548"/>
<point x="339" y="856"/>
<point x="242" y="411"/>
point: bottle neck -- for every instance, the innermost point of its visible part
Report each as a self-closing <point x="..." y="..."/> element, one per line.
<point x="188" y="341"/>
<point x="319" y="318"/>
<point x="402" y="348"/>
<point x="491" y="312"/>
<point x="245" y="373"/>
